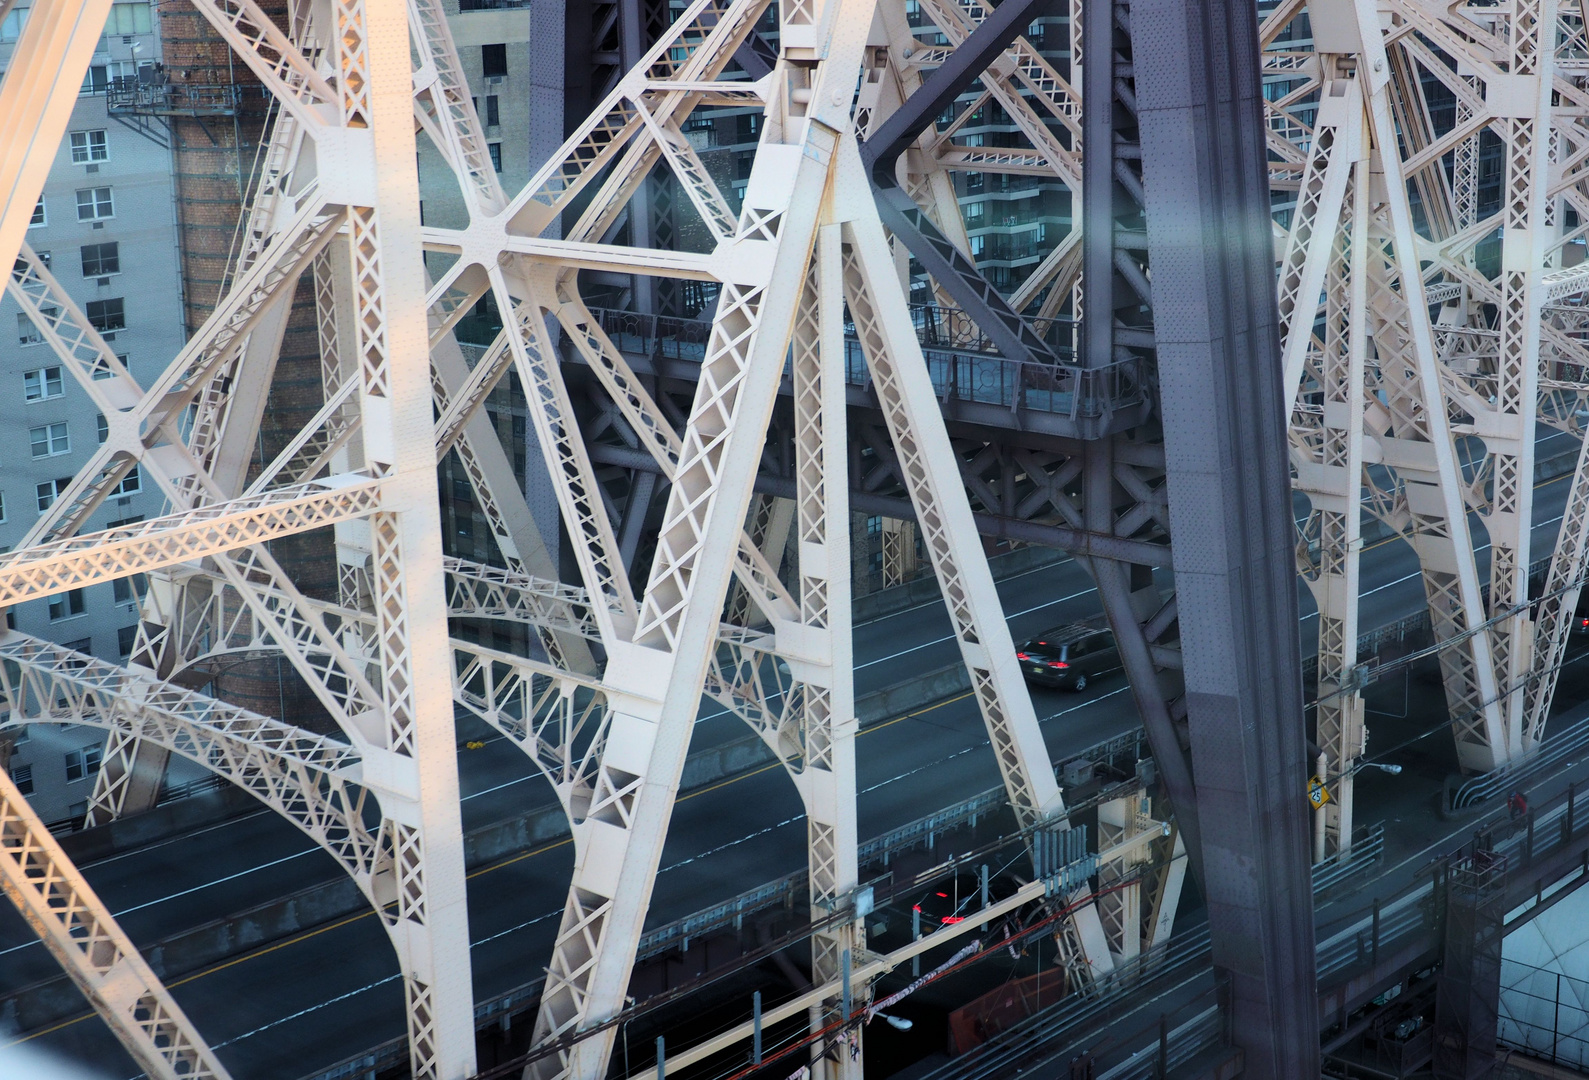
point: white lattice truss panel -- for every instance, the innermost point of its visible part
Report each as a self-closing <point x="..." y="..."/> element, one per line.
<point x="605" y="706"/>
<point x="1432" y="325"/>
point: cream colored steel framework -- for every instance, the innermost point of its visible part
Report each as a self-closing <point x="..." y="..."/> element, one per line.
<point x="333" y="209"/>
<point x="1421" y="421"/>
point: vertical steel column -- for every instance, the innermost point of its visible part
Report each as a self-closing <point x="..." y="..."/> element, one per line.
<point x="1098" y="300"/>
<point x="821" y="652"/>
<point x="1200" y="108"/>
<point x="1097" y="189"/>
<point x="1467" y="998"/>
<point x="412" y="760"/>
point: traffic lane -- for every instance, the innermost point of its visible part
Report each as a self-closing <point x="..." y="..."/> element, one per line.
<point x="892" y="649"/>
<point x="342" y="979"/>
<point x="184" y="881"/>
<point x="214" y="872"/>
<point x="736" y="835"/>
<point x="889" y="649"/>
<point x="904" y="768"/>
<point x="940" y="765"/>
<point x="1392" y="582"/>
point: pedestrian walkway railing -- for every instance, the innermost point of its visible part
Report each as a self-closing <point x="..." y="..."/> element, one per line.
<point x="1368" y="847"/>
<point x="1176" y="1046"/>
<point x="960" y="374"/>
<point x="1561" y="748"/>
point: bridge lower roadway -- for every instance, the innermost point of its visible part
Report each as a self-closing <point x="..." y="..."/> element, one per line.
<point x="316" y="996"/>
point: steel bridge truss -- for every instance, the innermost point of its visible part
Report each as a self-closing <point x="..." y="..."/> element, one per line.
<point x="1432" y="326"/>
<point x="605" y="707"/>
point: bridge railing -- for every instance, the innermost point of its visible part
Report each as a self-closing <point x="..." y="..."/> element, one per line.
<point x="1368" y="847"/>
<point x="962" y="372"/>
<point x="1563" y="746"/>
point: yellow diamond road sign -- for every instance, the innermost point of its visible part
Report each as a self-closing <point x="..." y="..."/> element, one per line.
<point x="1318" y="794"/>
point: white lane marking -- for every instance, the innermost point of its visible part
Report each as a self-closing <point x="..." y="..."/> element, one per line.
<point x="951" y="637"/>
<point x="1416" y="573"/>
<point x="184" y="892"/>
<point x="303" y="1012"/>
<point x="108" y="859"/>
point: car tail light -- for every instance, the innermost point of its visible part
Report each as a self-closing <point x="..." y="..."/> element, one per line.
<point x="950" y="920"/>
<point x="1028" y="656"/>
<point x="1058" y="664"/>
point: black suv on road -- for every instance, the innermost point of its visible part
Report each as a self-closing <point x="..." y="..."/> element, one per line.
<point x="1067" y="656"/>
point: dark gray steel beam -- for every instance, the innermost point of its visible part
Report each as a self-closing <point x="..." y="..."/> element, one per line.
<point x="964" y="65"/>
<point x="1076" y="541"/>
<point x="943" y="261"/>
<point x="1097" y="188"/>
<point x="756" y="55"/>
<point x="1200" y="112"/>
<point x="958" y="275"/>
<point x="1100" y="256"/>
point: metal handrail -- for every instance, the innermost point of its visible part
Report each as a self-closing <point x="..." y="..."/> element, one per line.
<point x="961" y="372"/>
<point x="1366" y="849"/>
<point x="1520" y="772"/>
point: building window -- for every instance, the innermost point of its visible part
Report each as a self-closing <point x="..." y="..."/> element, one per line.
<point x="129" y="19"/>
<point x="128" y="589"/>
<point x="50" y="490"/>
<point x="2" y="506"/>
<point x="67" y="605"/>
<point x="22" y="777"/>
<point x="95" y="204"/>
<point x="130" y="484"/>
<point x="21" y="736"/>
<point x="101" y="259"/>
<point x="493" y="112"/>
<point x="42" y="383"/>
<point x="11" y="25"/>
<point x="50" y="440"/>
<point x="38" y="217"/>
<point x="106" y="315"/>
<point x="102" y="428"/>
<point x="495" y="149"/>
<point x="27" y="333"/>
<point x="493" y="60"/>
<point x="126" y="637"/>
<point x="83" y="762"/>
<point x="89" y="146"/>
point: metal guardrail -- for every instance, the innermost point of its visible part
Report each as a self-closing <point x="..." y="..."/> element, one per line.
<point x="1367" y="848"/>
<point x="1205" y="1031"/>
<point x="960" y="374"/>
<point x="141" y="96"/>
<point x="200" y="786"/>
<point x="924" y="830"/>
<point x="1516" y="775"/>
<point x="719" y="916"/>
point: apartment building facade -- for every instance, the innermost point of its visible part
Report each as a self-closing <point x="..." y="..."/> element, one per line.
<point x="105" y="228"/>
